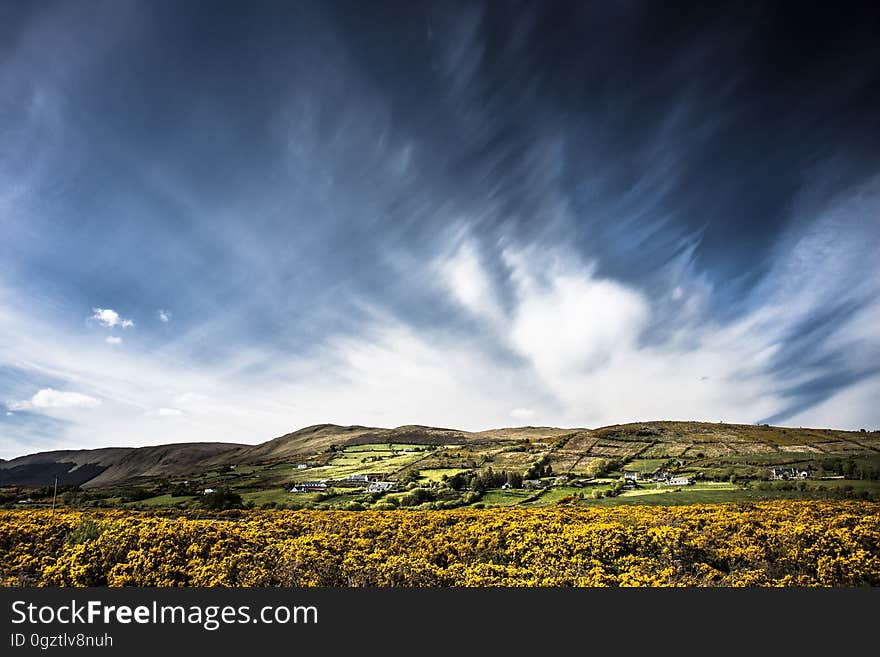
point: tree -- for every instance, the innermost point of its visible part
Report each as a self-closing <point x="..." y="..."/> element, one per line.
<point x="598" y="467"/>
<point x="222" y="499"/>
<point x="540" y="468"/>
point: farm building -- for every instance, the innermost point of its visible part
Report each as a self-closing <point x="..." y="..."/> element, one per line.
<point x="309" y="486"/>
<point x="788" y="473"/>
<point x="380" y="486"/>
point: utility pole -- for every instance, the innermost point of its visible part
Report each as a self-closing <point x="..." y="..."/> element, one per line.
<point x="54" y="495"/>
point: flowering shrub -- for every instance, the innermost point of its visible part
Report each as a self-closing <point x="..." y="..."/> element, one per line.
<point x="782" y="543"/>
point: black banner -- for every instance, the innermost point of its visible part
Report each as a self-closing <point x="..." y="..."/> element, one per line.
<point x="404" y="621"/>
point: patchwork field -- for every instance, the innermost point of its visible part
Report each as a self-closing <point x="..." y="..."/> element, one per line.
<point x="430" y="468"/>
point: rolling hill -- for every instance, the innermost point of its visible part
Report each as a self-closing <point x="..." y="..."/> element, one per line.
<point x="568" y="450"/>
<point x="108" y="466"/>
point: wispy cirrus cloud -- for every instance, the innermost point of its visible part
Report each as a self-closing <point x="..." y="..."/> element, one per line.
<point x="502" y="225"/>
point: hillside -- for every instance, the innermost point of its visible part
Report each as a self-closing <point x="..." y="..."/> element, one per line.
<point x="307" y="440"/>
<point x="108" y="466"/>
<point x="162" y="461"/>
<point x="331" y="449"/>
<point x="72" y="467"/>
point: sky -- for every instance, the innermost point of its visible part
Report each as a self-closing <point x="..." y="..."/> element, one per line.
<point x="230" y="221"/>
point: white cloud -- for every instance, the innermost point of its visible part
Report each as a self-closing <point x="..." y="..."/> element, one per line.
<point x="164" y="316"/>
<point x="522" y="413"/>
<point x="568" y="321"/>
<point x="106" y="316"/>
<point x="110" y="318"/>
<point x="47" y="398"/>
<point x="190" y="398"/>
<point x="577" y="349"/>
<point x="8" y="413"/>
<point x="113" y="339"/>
<point x="469" y="283"/>
<point x="168" y="412"/>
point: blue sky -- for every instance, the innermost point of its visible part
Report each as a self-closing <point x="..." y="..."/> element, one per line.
<point x="225" y="222"/>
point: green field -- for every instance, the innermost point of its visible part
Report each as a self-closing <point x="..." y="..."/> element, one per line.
<point x="645" y="466"/>
<point x="437" y="474"/>
<point x="694" y="495"/>
<point x="276" y="495"/>
<point x="510" y="497"/>
<point x="159" y="501"/>
<point x="384" y="447"/>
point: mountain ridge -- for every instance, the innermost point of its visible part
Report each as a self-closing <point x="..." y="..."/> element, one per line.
<point x="108" y="466"/>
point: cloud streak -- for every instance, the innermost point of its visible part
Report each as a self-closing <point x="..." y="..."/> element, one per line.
<point x="418" y="215"/>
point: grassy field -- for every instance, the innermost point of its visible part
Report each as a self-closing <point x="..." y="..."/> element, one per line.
<point x="276" y="495"/>
<point x="690" y="495"/>
<point x="436" y="474"/>
<point x="383" y="447"/>
<point x="645" y="466"/>
<point x="358" y="460"/>
<point x="158" y="502"/>
<point x="511" y="497"/>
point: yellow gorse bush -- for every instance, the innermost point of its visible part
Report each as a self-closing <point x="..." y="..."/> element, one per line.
<point x="783" y="543"/>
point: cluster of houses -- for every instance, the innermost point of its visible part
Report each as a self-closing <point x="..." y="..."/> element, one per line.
<point x="373" y="483"/>
<point x="788" y="473"/>
<point x="661" y="479"/>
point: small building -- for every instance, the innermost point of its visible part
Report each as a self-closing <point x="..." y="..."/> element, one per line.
<point x="208" y="491"/>
<point x="778" y="473"/>
<point x="302" y="466"/>
<point x="358" y="479"/>
<point x="309" y="487"/>
<point x="506" y="485"/>
<point x="380" y="486"/>
<point x="788" y="473"/>
<point x="678" y="481"/>
<point x="630" y="476"/>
